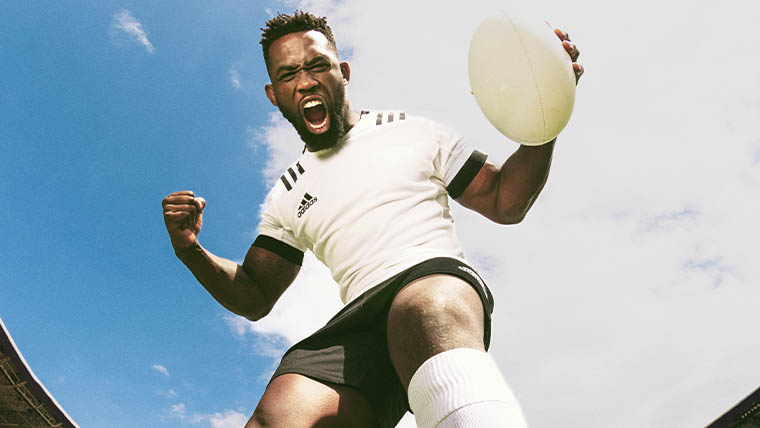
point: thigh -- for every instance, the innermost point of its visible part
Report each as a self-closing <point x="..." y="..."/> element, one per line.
<point x="431" y="315"/>
<point x="296" y="401"/>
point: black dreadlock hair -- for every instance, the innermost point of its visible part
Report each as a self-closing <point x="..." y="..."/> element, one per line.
<point x="283" y="24"/>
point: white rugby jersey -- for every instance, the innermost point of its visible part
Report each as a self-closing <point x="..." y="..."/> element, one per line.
<point x="376" y="203"/>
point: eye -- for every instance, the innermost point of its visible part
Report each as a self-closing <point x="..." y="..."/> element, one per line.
<point x="287" y="77"/>
<point x="322" y="66"/>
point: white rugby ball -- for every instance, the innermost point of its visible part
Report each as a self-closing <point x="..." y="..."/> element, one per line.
<point x="522" y="78"/>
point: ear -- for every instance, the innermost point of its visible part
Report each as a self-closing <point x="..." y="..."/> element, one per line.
<point x="345" y="70"/>
<point x="269" y="89"/>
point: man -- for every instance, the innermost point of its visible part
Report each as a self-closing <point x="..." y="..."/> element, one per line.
<point x="369" y="198"/>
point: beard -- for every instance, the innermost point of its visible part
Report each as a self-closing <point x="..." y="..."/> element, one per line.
<point x="337" y="130"/>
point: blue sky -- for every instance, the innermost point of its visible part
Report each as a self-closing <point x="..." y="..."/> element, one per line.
<point x="629" y="287"/>
<point x="96" y="130"/>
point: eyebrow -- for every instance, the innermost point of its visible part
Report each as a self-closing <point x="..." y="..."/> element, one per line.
<point x="286" y="68"/>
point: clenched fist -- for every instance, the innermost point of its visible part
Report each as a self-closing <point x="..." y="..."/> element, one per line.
<point x="183" y="216"/>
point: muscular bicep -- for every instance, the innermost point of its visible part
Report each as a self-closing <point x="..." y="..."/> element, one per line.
<point x="270" y="273"/>
<point x="505" y="194"/>
<point x="481" y="195"/>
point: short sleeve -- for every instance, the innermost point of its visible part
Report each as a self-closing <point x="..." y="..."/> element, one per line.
<point x="280" y="248"/>
<point x="457" y="162"/>
<point x="272" y="226"/>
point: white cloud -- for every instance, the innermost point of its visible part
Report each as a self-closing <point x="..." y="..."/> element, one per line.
<point x="630" y="286"/>
<point x="167" y="394"/>
<point x="178" y="411"/>
<point x="161" y="369"/>
<point x="281" y="143"/>
<point x="313" y="296"/>
<point x="228" y="419"/>
<point x="234" y="76"/>
<point x="124" y="21"/>
<point x="225" y="419"/>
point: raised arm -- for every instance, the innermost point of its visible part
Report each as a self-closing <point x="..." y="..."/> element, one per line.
<point x="250" y="289"/>
<point x="505" y="194"/>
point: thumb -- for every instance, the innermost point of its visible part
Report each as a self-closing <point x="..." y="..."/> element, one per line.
<point x="200" y="203"/>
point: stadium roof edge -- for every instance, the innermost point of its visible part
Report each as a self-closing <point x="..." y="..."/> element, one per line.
<point x="29" y="381"/>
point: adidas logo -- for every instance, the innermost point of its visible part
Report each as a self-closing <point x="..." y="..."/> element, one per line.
<point x="306" y="203"/>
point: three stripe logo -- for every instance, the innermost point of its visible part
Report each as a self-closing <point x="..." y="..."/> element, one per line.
<point x="293" y="175"/>
<point x="389" y="117"/>
<point x="306" y="203"/>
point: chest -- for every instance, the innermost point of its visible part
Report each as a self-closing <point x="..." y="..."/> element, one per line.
<point x="370" y="177"/>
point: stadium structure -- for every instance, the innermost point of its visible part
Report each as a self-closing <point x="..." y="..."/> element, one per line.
<point x="746" y="414"/>
<point x="24" y="401"/>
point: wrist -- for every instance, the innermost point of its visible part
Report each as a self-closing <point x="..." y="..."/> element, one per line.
<point x="185" y="251"/>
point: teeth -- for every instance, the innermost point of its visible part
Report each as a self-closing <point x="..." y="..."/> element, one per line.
<point x="314" y="103"/>
<point x="320" y="126"/>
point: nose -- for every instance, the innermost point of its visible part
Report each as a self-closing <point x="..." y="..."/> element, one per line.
<point x="306" y="82"/>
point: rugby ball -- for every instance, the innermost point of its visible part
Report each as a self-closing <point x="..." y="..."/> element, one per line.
<point x="522" y="78"/>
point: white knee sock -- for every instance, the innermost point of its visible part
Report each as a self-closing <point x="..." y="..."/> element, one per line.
<point x="463" y="388"/>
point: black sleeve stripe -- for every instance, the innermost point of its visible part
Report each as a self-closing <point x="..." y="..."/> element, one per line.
<point x="280" y="248"/>
<point x="465" y="175"/>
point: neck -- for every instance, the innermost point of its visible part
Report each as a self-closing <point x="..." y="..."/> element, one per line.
<point x="352" y="117"/>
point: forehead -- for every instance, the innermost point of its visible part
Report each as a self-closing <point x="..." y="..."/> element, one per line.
<point x="296" y="48"/>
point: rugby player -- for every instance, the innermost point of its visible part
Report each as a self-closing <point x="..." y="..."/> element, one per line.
<point x="370" y="198"/>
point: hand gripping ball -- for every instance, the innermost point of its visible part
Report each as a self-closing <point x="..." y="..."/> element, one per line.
<point x="522" y="78"/>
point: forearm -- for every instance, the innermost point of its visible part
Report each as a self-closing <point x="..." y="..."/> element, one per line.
<point x="226" y="281"/>
<point x="521" y="179"/>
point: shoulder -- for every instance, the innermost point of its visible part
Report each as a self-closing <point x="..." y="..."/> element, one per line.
<point x="403" y="123"/>
<point x="285" y="182"/>
<point x="392" y="118"/>
<point x="290" y="176"/>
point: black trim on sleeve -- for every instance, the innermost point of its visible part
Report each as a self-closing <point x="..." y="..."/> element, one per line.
<point x="280" y="248"/>
<point x="465" y="175"/>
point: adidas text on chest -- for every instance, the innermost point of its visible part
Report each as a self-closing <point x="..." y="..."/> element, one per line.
<point x="306" y="203"/>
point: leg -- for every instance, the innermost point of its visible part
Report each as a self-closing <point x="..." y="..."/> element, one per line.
<point x="446" y="314"/>
<point x="296" y="401"/>
<point x="435" y="340"/>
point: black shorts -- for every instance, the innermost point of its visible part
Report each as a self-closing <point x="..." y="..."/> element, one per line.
<point x="351" y="349"/>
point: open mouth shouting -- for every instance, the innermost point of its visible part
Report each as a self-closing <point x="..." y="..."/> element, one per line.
<point x="314" y="112"/>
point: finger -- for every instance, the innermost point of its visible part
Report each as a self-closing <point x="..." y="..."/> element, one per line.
<point x="176" y="217"/>
<point x="572" y="50"/>
<point x="193" y="215"/>
<point x="200" y="203"/>
<point x="579" y="70"/>
<point x="176" y="214"/>
<point x="179" y="208"/>
<point x="178" y="220"/>
<point x="180" y="199"/>
<point x="561" y="34"/>
<point x="182" y="193"/>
